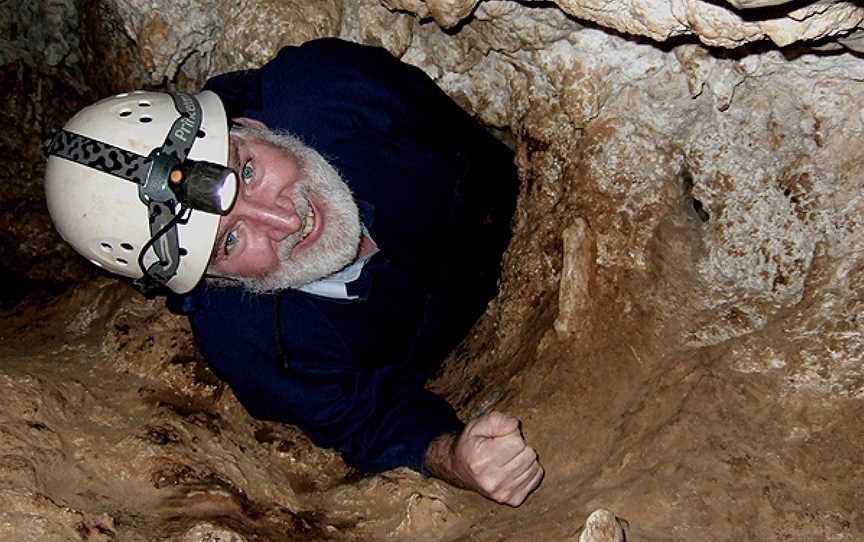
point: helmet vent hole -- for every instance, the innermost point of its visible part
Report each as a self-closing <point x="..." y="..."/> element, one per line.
<point x="106" y="247"/>
<point x="183" y="251"/>
<point x="144" y="103"/>
<point x="201" y="134"/>
<point x="125" y="113"/>
<point x="122" y="261"/>
<point x="144" y="119"/>
<point x="127" y="247"/>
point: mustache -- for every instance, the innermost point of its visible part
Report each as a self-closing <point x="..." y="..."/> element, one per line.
<point x="300" y="200"/>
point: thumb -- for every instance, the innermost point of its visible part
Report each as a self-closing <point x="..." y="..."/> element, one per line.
<point x="495" y="424"/>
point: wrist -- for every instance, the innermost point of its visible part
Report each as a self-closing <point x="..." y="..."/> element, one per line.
<point x="441" y="459"/>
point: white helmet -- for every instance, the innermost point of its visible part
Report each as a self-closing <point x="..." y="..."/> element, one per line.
<point x="136" y="183"/>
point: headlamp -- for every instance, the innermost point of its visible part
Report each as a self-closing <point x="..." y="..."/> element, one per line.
<point x="204" y="186"/>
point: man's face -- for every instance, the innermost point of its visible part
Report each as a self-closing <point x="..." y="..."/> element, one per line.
<point x="294" y="220"/>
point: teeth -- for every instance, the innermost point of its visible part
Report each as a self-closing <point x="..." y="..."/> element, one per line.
<point x="309" y="223"/>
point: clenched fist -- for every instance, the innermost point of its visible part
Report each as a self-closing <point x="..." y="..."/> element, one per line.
<point x="489" y="457"/>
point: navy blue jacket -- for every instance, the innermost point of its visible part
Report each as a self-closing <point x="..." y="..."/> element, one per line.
<point x="436" y="193"/>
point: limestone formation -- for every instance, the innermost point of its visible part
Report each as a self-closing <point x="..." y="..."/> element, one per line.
<point x="752" y="4"/>
<point x="577" y="274"/>
<point x="189" y="40"/>
<point x="714" y="24"/>
<point x="602" y="526"/>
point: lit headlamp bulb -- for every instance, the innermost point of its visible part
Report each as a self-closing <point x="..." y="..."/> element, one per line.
<point x="226" y="194"/>
<point x="205" y="186"/>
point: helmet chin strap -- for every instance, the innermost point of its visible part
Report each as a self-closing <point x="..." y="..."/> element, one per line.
<point x="165" y="244"/>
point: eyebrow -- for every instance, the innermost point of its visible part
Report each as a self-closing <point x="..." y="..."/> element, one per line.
<point x="233" y="150"/>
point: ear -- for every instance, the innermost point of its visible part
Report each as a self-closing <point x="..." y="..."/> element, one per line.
<point x="250" y="123"/>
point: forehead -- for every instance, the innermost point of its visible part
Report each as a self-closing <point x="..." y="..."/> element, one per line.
<point x="237" y="143"/>
<point x="252" y="144"/>
<point x="241" y="135"/>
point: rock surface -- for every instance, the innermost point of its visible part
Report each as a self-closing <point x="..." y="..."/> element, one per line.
<point x="713" y="23"/>
<point x="678" y="325"/>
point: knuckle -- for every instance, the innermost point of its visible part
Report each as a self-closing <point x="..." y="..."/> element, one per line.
<point x="477" y="465"/>
<point x="490" y="486"/>
<point x="516" y="500"/>
<point x="534" y="481"/>
<point x="500" y="495"/>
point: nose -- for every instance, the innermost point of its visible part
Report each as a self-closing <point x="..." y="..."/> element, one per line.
<point x="276" y="220"/>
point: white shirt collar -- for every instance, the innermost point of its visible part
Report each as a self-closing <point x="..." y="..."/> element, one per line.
<point x="333" y="286"/>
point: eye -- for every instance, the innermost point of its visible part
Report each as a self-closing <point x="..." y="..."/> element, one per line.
<point x="247" y="172"/>
<point x="230" y="241"/>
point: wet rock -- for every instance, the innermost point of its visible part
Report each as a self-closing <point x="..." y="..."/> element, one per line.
<point x="111" y="62"/>
<point x="365" y="21"/>
<point x="172" y="47"/>
<point x="577" y="274"/>
<point x="207" y="532"/>
<point x="43" y="32"/>
<point x="854" y="41"/>
<point x="37" y="98"/>
<point x="448" y="13"/>
<point x="751" y="4"/>
<point x="602" y="526"/>
<point x="28" y="516"/>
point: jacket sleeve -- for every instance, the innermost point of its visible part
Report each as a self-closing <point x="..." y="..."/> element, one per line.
<point x="378" y="418"/>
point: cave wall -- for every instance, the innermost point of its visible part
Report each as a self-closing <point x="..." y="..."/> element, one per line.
<point x="678" y="324"/>
<point x="713" y="23"/>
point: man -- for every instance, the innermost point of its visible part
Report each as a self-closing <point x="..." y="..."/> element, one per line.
<point x="369" y="217"/>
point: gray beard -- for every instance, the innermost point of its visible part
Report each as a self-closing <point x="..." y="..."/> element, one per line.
<point x="339" y="241"/>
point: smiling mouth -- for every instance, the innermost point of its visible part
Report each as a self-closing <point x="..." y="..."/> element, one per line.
<point x="309" y="223"/>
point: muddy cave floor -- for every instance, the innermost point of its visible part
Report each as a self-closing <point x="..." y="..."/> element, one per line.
<point x="113" y="429"/>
